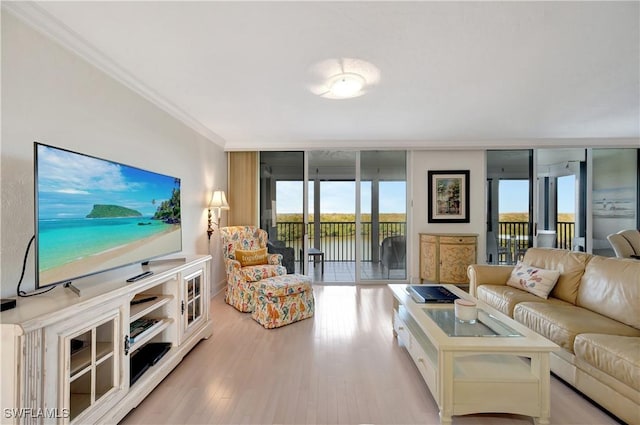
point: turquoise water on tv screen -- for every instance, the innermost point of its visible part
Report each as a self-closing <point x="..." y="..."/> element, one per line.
<point x="62" y="241"/>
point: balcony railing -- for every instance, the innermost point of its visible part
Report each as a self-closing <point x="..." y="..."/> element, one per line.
<point x="566" y="232"/>
<point x="513" y="240"/>
<point x="338" y="239"/>
<point x="514" y="237"/>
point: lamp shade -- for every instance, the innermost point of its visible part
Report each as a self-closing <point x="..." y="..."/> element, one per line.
<point x="219" y="200"/>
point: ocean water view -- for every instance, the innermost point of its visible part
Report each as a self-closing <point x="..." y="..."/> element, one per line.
<point x="62" y="241"/>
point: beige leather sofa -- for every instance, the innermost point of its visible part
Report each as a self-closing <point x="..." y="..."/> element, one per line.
<point x="593" y="313"/>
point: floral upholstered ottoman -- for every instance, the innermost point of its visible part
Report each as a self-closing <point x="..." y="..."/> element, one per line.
<point x="281" y="300"/>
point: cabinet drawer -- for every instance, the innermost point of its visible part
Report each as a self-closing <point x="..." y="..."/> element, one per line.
<point x="401" y="329"/>
<point x="464" y="240"/>
<point x="428" y="238"/>
<point x="424" y="363"/>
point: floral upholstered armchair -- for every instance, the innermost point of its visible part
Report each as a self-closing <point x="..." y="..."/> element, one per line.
<point x="247" y="262"/>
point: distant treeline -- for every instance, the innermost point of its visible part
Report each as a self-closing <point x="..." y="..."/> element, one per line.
<point x="565" y="233"/>
<point x="398" y="217"/>
<point x="290" y="226"/>
<point x="342" y="218"/>
<point x="524" y="217"/>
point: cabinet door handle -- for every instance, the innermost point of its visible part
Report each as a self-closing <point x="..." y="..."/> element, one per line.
<point x="400" y="328"/>
<point x="182" y="308"/>
<point x="127" y="344"/>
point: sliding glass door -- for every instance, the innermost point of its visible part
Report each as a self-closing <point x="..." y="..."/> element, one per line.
<point x="281" y="205"/>
<point x="341" y="215"/>
<point x="560" y="204"/>
<point x="383" y="215"/>
<point x="332" y="236"/>
<point x="509" y="205"/>
<point x="575" y="198"/>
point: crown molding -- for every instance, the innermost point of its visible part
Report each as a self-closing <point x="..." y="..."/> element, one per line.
<point x="443" y="144"/>
<point x="46" y="24"/>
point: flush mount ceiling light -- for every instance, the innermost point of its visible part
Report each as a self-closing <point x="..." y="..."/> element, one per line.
<point x="343" y="78"/>
<point x="346" y="85"/>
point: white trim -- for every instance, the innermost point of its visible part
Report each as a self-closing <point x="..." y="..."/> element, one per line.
<point x="43" y="22"/>
<point x="441" y="144"/>
<point x="358" y="202"/>
<point x="588" y="242"/>
<point x="535" y="187"/>
<point x="305" y="215"/>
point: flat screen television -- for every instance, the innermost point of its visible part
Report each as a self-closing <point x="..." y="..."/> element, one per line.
<point x="94" y="215"/>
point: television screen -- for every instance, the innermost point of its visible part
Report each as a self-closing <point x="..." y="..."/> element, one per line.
<point x="94" y="215"/>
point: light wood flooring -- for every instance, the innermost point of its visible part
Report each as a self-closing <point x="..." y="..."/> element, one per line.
<point x="342" y="366"/>
<point x="345" y="271"/>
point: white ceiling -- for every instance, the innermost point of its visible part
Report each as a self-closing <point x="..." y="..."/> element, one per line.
<point x="451" y="74"/>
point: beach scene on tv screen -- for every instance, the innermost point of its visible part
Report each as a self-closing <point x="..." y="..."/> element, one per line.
<point x="94" y="215"/>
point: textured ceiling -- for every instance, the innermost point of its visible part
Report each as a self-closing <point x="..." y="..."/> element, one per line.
<point x="449" y="72"/>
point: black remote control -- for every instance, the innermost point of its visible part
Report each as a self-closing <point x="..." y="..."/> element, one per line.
<point x="143" y="300"/>
<point x="139" y="276"/>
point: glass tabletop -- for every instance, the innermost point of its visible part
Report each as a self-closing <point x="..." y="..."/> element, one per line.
<point x="485" y="326"/>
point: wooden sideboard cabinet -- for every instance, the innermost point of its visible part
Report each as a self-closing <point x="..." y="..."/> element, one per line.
<point x="444" y="257"/>
<point x="70" y="359"/>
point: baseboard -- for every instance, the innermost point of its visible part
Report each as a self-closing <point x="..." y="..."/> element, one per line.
<point x="218" y="287"/>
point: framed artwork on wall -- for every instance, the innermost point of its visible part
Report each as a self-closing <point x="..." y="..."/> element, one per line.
<point x="448" y="196"/>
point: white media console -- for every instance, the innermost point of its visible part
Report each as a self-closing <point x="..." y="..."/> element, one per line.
<point x="71" y="360"/>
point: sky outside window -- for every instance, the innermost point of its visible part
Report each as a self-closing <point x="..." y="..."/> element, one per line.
<point x="339" y="197"/>
<point x="514" y="195"/>
<point x="567" y="194"/>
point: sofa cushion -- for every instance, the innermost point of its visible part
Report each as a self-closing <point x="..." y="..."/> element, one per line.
<point x="617" y="356"/>
<point x="611" y="287"/>
<point x="570" y="264"/>
<point x="533" y="279"/>
<point x="505" y="298"/>
<point x="561" y="323"/>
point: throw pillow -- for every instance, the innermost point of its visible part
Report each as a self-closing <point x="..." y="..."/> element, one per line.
<point x="532" y="279"/>
<point x="252" y="257"/>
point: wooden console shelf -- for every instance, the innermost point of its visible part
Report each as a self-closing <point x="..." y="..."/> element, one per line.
<point x="91" y="382"/>
<point x="148" y="334"/>
<point x="139" y="310"/>
<point x="82" y="359"/>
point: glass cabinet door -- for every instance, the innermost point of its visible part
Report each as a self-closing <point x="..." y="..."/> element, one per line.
<point x="92" y="370"/>
<point x="193" y="302"/>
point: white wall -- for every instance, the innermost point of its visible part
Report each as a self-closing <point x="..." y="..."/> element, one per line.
<point x="52" y="96"/>
<point x="423" y="161"/>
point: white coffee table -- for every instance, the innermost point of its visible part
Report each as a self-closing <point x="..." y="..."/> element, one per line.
<point x="494" y="366"/>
